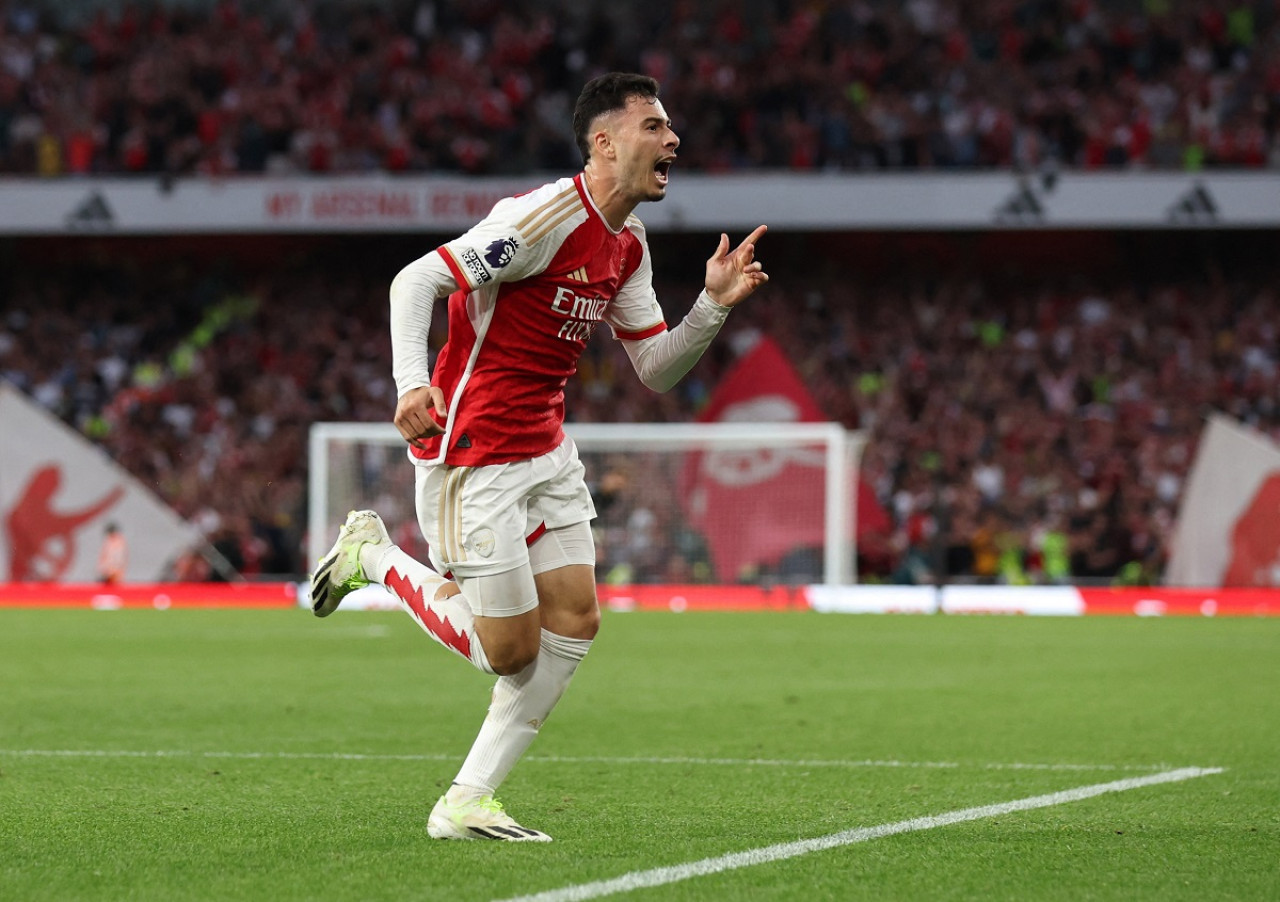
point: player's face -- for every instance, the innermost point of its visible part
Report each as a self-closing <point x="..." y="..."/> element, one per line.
<point x="646" y="148"/>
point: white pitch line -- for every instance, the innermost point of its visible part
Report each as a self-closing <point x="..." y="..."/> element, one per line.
<point x="246" y="756"/>
<point x="575" y="759"/>
<point x="851" y="763"/>
<point x="752" y="857"/>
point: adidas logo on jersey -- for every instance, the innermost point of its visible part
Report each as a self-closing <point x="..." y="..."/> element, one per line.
<point x="579" y="274"/>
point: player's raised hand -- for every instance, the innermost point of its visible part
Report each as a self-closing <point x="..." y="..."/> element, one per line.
<point x="414" y="414"/>
<point x="732" y="277"/>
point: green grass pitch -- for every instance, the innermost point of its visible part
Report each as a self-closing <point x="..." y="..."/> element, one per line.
<point x="205" y="755"/>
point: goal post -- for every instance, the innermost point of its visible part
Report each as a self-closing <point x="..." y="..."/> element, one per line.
<point x="676" y="502"/>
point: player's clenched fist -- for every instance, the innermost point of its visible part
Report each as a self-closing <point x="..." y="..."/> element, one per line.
<point x="419" y="414"/>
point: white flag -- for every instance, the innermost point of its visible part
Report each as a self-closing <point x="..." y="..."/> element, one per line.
<point x="58" y="493"/>
<point x="1228" y="530"/>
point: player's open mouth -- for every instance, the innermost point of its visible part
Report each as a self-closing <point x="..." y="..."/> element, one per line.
<point x="663" y="170"/>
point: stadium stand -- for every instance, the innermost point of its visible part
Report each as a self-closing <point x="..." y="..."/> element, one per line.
<point x="1032" y="424"/>
<point x="485" y="87"/>
<point x="1024" y="425"/>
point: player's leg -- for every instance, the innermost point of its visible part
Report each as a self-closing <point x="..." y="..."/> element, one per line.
<point x="562" y="566"/>
<point x="435" y="604"/>
<point x="522" y="702"/>
<point x="468" y="810"/>
<point x="473" y="519"/>
<point x="364" y="554"/>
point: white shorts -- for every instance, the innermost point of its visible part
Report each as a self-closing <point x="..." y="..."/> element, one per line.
<point x="481" y="521"/>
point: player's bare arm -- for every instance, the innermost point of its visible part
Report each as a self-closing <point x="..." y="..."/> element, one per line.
<point x="733" y="277"/>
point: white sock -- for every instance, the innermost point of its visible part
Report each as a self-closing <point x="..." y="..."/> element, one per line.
<point x="519" y="708"/>
<point x="447" y="620"/>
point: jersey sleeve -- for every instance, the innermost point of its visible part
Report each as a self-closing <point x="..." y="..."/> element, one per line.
<point x="635" y="312"/>
<point x="661" y="357"/>
<point x="495" y="250"/>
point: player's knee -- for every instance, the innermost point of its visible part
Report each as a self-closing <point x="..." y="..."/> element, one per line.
<point x="576" y="622"/>
<point x="568" y="602"/>
<point x="511" y="659"/>
<point x="510" y="643"/>
<point x="588" y="623"/>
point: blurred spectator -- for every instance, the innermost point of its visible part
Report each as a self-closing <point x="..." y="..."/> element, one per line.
<point x="113" y="556"/>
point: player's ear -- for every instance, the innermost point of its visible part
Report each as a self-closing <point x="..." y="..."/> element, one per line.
<point x="602" y="144"/>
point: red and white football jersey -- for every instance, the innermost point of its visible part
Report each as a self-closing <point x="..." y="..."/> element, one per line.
<point x="537" y="276"/>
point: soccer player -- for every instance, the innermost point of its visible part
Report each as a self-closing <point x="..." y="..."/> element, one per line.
<point x="500" y="492"/>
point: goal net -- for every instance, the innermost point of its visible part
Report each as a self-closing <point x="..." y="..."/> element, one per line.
<point x="721" y="503"/>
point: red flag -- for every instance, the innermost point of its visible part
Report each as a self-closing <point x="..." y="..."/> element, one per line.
<point x="1227" y="531"/>
<point x="758" y="506"/>
<point x="1255" y="539"/>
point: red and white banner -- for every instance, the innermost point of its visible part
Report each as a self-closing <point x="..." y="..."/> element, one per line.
<point x="1049" y="601"/>
<point x="757" y="506"/>
<point x="1073" y="601"/>
<point x="1228" y="530"/>
<point x="1028" y="601"/>
<point x="58" y="493"/>
<point x="1157" y="601"/>
<point x="873" y="599"/>
<point x="680" y="598"/>
<point x="157" y="596"/>
<point x="1055" y="601"/>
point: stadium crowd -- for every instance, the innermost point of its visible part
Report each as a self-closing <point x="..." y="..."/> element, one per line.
<point x="486" y="86"/>
<point x="1020" y="429"/>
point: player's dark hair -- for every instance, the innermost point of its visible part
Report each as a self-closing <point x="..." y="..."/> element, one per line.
<point x="604" y="94"/>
